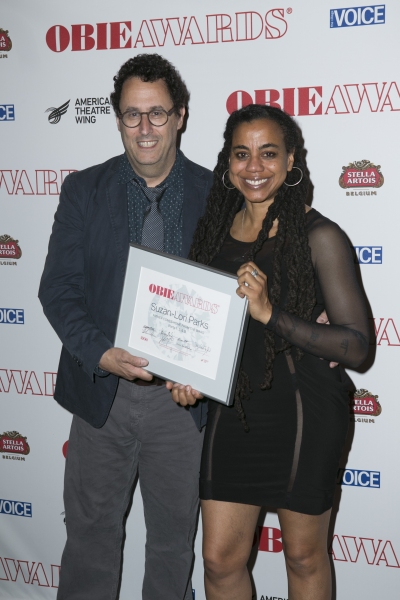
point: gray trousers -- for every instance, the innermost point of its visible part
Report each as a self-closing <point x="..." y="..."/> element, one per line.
<point x="146" y="432"/>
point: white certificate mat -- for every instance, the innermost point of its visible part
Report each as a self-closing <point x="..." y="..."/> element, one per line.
<point x="179" y="321"/>
<point x="185" y="319"/>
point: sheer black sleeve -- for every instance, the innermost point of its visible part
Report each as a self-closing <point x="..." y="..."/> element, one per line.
<point x="345" y="340"/>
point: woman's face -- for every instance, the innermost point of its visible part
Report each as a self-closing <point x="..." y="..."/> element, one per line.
<point x="259" y="160"/>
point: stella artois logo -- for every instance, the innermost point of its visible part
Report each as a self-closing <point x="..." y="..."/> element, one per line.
<point x="361" y="174"/>
<point x="13" y="442"/>
<point x="9" y="247"/>
<point x="365" y="403"/>
<point x="5" y="41"/>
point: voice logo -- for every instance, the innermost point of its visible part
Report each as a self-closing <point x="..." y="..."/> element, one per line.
<point x="214" y="28"/>
<point x="352" y="549"/>
<point x="316" y="100"/>
<point x="27" y="382"/>
<point x="358" y="15"/>
<point x="355" y="477"/>
<point x="12" y="316"/>
<point x="7" y="112"/>
<point x="368" y="255"/>
<point x="386" y="332"/>
<point x="16" y="508"/>
<point x="29" y="572"/>
<point x="43" y="182"/>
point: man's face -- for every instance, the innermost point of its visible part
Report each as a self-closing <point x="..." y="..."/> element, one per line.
<point x="151" y="150"/>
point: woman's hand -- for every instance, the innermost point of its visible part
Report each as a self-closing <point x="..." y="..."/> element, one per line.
<point x="254" y="287"/>
<point x="183" y="394"/>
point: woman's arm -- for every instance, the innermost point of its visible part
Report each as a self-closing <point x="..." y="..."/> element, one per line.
<point x="346" y="339"/>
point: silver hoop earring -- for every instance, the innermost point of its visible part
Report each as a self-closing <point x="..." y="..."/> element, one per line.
<point x="223" y="181"/>
<point x="293" y="184"/>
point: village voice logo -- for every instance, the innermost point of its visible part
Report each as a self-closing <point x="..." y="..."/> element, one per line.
<point x="56" y="113"/>
<point x="360" y="175"/>
<point x="5" y="43"/>
<point x="9" y="249"/>
<point x="16" y="508"/>
<point x="14" y="444"/>
<point x="357" y="15"/>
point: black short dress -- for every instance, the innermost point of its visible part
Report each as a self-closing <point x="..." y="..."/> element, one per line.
<point x="289" y="457"/>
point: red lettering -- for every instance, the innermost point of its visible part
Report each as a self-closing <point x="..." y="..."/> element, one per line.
<point x="193" y="33"/>
<point x="270" y="539"/>
<point x="101" y="36"/>
<point x="275" y="24"/>
<point x="82" y="37"/>
<point x="144" y="36"/>
<point x="288" y="101"/>
<point x="219" y="27"/>
<point x="305" y="100"/>
<point x="269" y="97"/>
<point x="57" y="38"/>
<point x="238" y="100"/>
<point x="246" y="28"/>
<point x="172" y="24"/>
<point x="118" y="35"/>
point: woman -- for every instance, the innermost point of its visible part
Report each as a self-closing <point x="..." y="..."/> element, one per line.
<point x="284" y="450"/>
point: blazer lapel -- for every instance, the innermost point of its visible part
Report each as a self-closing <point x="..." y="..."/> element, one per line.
<point x="118" y="208"/>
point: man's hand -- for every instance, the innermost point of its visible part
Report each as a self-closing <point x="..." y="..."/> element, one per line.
<point x="323" y="319"/>
<point x="123" y="364"/>
<point x="183" y="394"/>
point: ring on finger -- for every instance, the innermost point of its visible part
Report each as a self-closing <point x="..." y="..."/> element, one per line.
<point x="254" y="273"/>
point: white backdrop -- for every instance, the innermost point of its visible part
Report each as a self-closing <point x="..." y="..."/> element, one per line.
<point x="336" y="70"/>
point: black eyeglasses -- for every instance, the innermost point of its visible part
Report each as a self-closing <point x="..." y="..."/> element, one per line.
<point x="157" y="117"/>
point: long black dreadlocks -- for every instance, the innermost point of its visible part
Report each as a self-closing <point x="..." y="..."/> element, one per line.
<point x="291" y="241"/>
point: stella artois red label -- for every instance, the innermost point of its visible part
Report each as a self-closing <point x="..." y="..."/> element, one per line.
<point x="365" y="403"/>
<point x="361" y="174"/>
<point x="9" y="247"/>
<point x="13" y="442"/>
<point x="5" y="41"/>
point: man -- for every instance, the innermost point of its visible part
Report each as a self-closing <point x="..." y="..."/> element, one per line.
<point x="124" y="420"/>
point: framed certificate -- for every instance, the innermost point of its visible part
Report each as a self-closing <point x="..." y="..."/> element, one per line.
<point x="185" y="319"/>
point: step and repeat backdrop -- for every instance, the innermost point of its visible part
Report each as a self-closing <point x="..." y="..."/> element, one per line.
<point x="334" y="67"/>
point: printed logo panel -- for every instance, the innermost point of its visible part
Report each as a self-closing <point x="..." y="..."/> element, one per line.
<point x="358" y="15"/>
<point x="368" y="255"/>
<point x="5" y="43"/>
<point x="12" y="316"/>
<point x="339" y="99"/>
<point x="356" y="477"/>
<point x="14" y="446"/>
<point x="361" y="174"/>
<point x="246" y="26"/>
<point x="16" y="508"/>
<point x="7" y="112"/>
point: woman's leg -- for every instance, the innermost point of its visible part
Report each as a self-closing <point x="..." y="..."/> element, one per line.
<point x="304" y="540"/>
<point x="228" y="533"/>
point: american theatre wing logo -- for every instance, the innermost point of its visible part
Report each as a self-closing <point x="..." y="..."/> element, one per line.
<point x="56" y="113"/>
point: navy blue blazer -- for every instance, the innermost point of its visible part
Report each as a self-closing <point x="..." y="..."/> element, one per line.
<point x="83" y="278"/>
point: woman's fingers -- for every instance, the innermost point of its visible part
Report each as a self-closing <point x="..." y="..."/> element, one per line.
<point x="184" y="394"/>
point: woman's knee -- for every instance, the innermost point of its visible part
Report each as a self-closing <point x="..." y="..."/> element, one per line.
<point x="220" y="563"/>
<point x="305" y="559"/>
